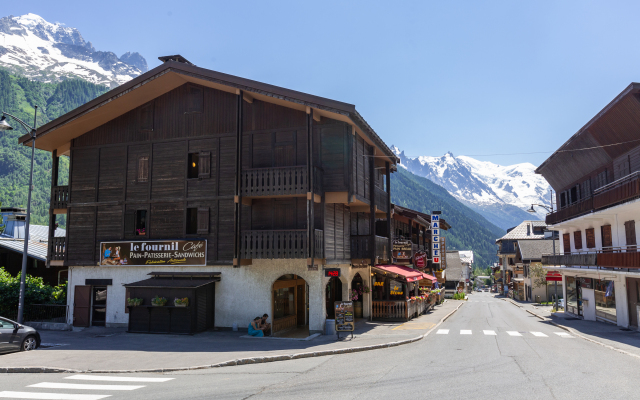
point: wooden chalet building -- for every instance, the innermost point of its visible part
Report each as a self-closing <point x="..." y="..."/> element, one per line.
<point x="185" y="173"/>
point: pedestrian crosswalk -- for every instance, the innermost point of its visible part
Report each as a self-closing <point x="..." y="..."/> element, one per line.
<point x="73" y="390"/>
<point x="487" y="332"/>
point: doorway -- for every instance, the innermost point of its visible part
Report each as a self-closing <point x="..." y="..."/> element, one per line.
<point x="98" y="305"/>
<point x="334" y="293"/>
<point x="290" y="307"/>
<point x="357" y="295"/>
<point x="633" y="297"/>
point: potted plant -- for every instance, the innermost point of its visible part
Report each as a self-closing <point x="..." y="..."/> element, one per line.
<point x="184" y="302"/>
<point x="158" y="301"/>
<point x="134" y="302"/>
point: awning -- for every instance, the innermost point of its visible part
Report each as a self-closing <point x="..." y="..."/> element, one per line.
<point x="409" y="274"/>
<point x="518" y="279"/>
<point x="427" y="277"/>
<point x="177" y="280"/>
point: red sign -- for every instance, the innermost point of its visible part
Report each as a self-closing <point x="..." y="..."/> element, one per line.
<point x="436" y="260"/>
<point x="332" y="272"/>
<point x="553" y="276"/>
<point x="420" y="260"/>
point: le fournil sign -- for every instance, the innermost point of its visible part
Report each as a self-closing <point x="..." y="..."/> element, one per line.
<point x="160" y="252"/>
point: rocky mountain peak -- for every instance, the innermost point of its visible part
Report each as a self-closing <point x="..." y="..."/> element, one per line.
<point x="51" y="52"/>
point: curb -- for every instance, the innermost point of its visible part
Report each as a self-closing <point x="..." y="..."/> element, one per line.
<point x="581" y="336"/>
<point x="239" y="361"/>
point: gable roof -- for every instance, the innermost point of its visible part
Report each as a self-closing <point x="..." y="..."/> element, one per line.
<point x="454" y="266"/>
<point x="520" y="231"/>
<point x="534" y="249"/>
<point x="172" y="74"/>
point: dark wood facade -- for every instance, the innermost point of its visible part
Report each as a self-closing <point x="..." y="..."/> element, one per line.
<point x="261" y="179"/>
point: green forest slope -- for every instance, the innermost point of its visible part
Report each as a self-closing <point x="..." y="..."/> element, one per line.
<point x="469" y="230"/>
<point x="18" y="96"/>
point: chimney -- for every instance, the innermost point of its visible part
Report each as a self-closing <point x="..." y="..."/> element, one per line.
<point x="176" y="58"/>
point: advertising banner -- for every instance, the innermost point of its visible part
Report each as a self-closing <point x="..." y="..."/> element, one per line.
<point x="156" y="252"/>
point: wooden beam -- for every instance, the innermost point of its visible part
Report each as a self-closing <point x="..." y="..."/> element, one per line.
<point x="247" y="97"/>
<point x="56" y="263"/>
<point x="316" y="197"/>
<point x="242" y="261"/>
<point x="336" y="197"/>
<point x="64" y="150"/>
<point x="57" y="211"/>
<point x="246" y="201"/>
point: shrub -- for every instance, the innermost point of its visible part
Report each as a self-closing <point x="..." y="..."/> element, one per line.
<point x="37" y="292"/>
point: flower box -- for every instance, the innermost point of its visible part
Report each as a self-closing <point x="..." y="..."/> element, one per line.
<point x="158" y="301"/>
<point x="184" y="302"/>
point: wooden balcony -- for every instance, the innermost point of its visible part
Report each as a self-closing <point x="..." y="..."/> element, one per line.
<point x="361" y="247"/>
<point x="59" y="197"/>
<point x="575" y="210"/>
<point x="578" y="259"/>
<point x="275" y="244"/>
<point x="57" y="249"/>
<point x="613" y="257"/>
<point x="381" y="200"/>
<point x="619" y="258"/>
<point x="507" y="248"/>
<point x="279" y="181"/>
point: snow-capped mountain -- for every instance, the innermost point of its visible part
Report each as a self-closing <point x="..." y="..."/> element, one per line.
<point x="44" y="51"/>
<point x="502" y="194"/>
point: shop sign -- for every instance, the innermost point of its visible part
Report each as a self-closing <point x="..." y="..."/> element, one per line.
<point x="344" y="316"/>
<point x="435" y="239"/>
<point x="402" y="249"/>
<point x="553" y="276"/>
<point x="381" y="284"/>
<point x="157" y="252"/>
<point x="420" y="260"/>
<point x="395" y="288"/>
<point x="332" y="272"/>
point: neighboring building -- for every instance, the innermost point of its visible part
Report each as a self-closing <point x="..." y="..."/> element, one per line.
<point x="458" y="272"/>
<point x="596" y="175"/>
<point x="527" y="230"/>
<point x="12" y="247"/>
<point x="481" y="280"/>
<point x="529" y="254"/>
<point x="253" y="198"/>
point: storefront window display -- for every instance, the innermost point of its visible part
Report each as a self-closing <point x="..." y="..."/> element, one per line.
<point x="605" y="299"/>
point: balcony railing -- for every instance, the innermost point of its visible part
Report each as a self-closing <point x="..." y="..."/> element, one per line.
<point x="279" y="244"/>
<point x="507" y="248"/>
<point x="57" y="248"/>
<point x="622" y="190"/>
<point x="59" y="196"/>
<point x="361" y="247"/>
<point x="610" y="257"/>
<point x="382" y="200"/>
<point x="278" y="181"/>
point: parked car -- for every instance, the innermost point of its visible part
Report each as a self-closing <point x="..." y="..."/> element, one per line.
<point x="17" y="337"/>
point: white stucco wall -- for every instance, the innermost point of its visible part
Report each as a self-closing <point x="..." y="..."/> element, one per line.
<point x="588" y="304"/>
<point x="242" y="294"/>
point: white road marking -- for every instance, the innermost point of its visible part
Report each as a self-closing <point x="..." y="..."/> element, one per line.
<point x="52" y="396"/>
<point x="54" y="385"/>
<point x="539" y="334"/>
<point x="465" y="332"/>
<point x="117" y="378"/>
<point x="563" y="334"/>
<point x="442" y="332"/>
<point x="492" y="333"/>
<point x="514" y="333"/>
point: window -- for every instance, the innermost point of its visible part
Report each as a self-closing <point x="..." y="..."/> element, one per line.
<point x="630" y="231"/>
<point x="606" y="236"/>
<point x="566" y="242"/>
<point x="601" y="179"/>
<point x="141" y="222"/>
<point x="591" y="238"/>
<point x="143" y="169"/>
<point x="193" y="165"/>
<point x="192" y="221"/>
<point x="585" y="189"/>
<point x="574" y="194"/>
<point x="563" y="199"/>
<point x="577" y="239"/>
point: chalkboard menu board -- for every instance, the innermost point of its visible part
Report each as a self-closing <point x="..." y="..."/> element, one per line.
<point x="344" y="316"/>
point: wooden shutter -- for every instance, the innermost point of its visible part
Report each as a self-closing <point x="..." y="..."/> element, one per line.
<point x="567" y="243"/>
<point x="204" y="165"/>
<point x="606" y="236"/>
<point x="195" y="99"/>
<point x="591" y="238"/>
<point x="630" y="230"/>
<point x="82" y="306"/>
<point x="130" y="223"/>
<point x="203" y="221"/>
<point x="577" y="239"/>
<point x="145" y="117"/>
<point x="143" y="169"/>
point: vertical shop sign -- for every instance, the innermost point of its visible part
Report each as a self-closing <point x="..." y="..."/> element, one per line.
<point x="435" y="239"/>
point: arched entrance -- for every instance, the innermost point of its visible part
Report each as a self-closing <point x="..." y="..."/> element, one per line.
<point x="334" y="293"/>
<point x="290" y="307"/>
<point x="357" y="294"/>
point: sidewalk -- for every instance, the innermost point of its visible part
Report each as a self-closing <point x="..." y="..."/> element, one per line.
<point x="110" y="349"/>
<point x="609" y="335"/>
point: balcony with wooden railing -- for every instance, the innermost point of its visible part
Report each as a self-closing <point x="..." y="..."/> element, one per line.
<point x="57" y="249"/>
<point x="381" y="200"/>
<point x="279" y="181"/>
<point x="59" y="197"/>
<point x="361" y="247"/>
<point x="617" y="192"/>
<point x="274" y="244"/>
<point x="609" y="257"/>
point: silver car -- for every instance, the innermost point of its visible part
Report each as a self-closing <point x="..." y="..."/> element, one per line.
<point x="17" y="337"/>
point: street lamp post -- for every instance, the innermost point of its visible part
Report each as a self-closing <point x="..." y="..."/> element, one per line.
<point x="553" y="239"/>
<point x="4" y="126"/>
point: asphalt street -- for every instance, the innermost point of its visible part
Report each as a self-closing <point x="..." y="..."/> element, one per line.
<point x="489" y="349"/>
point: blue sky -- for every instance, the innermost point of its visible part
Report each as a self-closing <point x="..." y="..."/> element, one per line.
<point x="470" y="77"/>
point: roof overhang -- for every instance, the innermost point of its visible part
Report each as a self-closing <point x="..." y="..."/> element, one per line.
<point x="58" y="133"/>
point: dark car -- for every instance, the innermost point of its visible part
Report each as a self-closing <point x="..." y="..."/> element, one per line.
<point x="17" y="337"/>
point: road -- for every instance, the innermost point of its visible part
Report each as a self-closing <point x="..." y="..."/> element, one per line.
<point x="489" y="349"/>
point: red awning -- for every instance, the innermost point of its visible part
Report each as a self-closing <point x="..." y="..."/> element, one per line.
<point x="429" y="277"/>
<point x="553" y="276"/>
<point x="409" y="274"/>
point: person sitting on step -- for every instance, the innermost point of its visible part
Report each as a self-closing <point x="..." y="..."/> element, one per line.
<point x="254" y="328"/>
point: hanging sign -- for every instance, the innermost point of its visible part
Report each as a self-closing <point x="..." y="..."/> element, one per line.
<point x="420" y="260"/>
<point x="344" y="316"/>
<point x="154" y="252"/>
<point x="435" y="239"/>
<point x="402" y="249"/>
